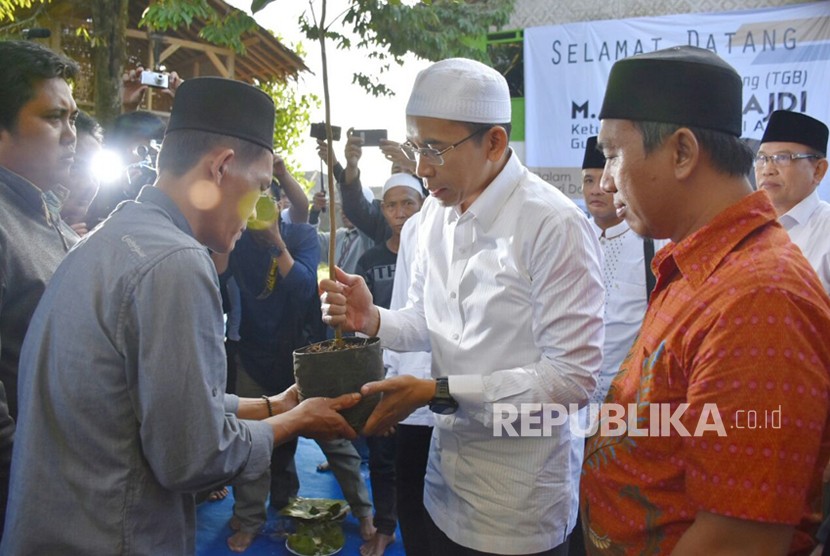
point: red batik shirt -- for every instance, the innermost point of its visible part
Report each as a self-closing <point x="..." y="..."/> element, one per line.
<point x="738" y="328"/>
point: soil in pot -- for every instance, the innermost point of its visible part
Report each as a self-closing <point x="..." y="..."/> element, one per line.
<point x="326" y="370"/>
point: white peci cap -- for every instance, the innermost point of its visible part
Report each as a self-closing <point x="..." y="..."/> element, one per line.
<point x="403" y="180"/>
<point x="461" y="90"/>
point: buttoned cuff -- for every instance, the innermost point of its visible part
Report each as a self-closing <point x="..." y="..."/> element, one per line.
<point x="262" y="444"/>
<point x="390" y="327"/>
<point x="231" y="403"/>
<point x="468" y="391"/>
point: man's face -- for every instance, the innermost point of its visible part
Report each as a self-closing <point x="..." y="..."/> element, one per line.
<point x="238" y="191"/>
<point x="598" y="202"/>
<point x="788" y="185"/>
<point x="399" y="203"/>
<point x="463" y="176"/>
<point x="83" y="183"/>
<point x="636" y="181"/>
<point x="41" y="147"/>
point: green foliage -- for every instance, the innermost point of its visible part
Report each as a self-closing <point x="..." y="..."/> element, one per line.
<point x="319" y="532"/>
<point x="229" y="30"/>
<point x="389" y="29"/>
<point x="221" y="29"/>
<point x="9" y="7"/>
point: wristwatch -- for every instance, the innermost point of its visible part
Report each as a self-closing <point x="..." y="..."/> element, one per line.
<point x="443" y="403"/>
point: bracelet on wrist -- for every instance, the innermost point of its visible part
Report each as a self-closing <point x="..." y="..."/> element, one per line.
<point x="267" y="401"/>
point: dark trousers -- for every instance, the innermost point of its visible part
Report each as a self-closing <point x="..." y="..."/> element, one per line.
<point x="441" y="545"/>
<point x="577" y="539"/>
<point x="231" y="350"/>
<point x="285" y="483"/>
<point x="410" y="467"/>
<point x="382" y="475"/>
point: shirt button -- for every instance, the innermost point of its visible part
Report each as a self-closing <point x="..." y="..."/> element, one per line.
<point x="455" y="336"/>
<point x="214" y="392"/>
<point x="452" y="295"/>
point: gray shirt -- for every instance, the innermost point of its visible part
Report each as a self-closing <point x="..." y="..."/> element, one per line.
<point x="349" y="246"/>
<point x="123" y="414"/>
<point x="32" y="243"/>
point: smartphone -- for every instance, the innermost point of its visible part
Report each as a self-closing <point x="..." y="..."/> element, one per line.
<point x="371" y="137"/>
<point x="318" y="131"/>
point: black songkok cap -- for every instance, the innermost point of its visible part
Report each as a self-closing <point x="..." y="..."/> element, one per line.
<point x="593" y="158"/>
<point x="793" y="127"/>
<point x="682" y="85"/>
<point x="225" y="107"/>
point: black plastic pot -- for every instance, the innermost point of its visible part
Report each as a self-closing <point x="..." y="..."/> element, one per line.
<point x="332" y="373"/>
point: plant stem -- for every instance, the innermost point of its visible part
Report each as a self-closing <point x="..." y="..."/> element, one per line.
<point x="338" y="332"/>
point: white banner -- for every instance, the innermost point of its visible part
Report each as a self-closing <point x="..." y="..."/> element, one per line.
<point x="781" y="53"/>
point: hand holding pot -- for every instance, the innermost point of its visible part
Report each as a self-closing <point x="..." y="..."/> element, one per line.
<point x="348" y="302"/>
<point x="316" y="418"/>
<point x="401" y="395"/>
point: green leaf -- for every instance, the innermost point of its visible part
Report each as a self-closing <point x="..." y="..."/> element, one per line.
<point x="257" y="5"/>
<point x="315" y="509"/>
<point x="392" y="29"/>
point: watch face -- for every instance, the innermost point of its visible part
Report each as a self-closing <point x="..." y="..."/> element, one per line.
<point x="443" y="403"/>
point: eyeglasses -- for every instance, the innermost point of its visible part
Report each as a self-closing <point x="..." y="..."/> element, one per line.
<point x="781" y="159"/>
<point x="434" y="156"/>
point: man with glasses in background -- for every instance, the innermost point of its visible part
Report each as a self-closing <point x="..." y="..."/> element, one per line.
<point x="506" y="288"/>
<point x="790" y="164"/>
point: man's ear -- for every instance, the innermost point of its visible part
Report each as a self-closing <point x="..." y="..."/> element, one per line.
<point x="220" y="162"/>
<point x="685" y="153"/>
<point x="821" y="170"/>
<point x="497" y="142"/>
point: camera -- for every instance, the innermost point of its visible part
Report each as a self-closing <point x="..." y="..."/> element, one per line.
<point x="155" y="79"/>
<point x="371" y="137"/>
<point x="318" y="131"/>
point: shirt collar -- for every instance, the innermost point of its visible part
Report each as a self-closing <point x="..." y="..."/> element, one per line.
<point x="616" y="230"/>
<point x="613" y="232"/>
<point x="491" y="201"/>
<point x="55" y="198"/>
<point x="697" y="256"/>
<point x="801" y="212"/>
<point x="31" y="195"/>
<point x="153" y="195"/>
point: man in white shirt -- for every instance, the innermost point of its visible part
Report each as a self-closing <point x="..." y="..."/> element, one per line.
<point x="507" y="290"/>
<point x="790" y="164"/>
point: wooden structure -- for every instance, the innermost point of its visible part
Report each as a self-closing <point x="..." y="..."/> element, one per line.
<point x="181" y="50"/>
